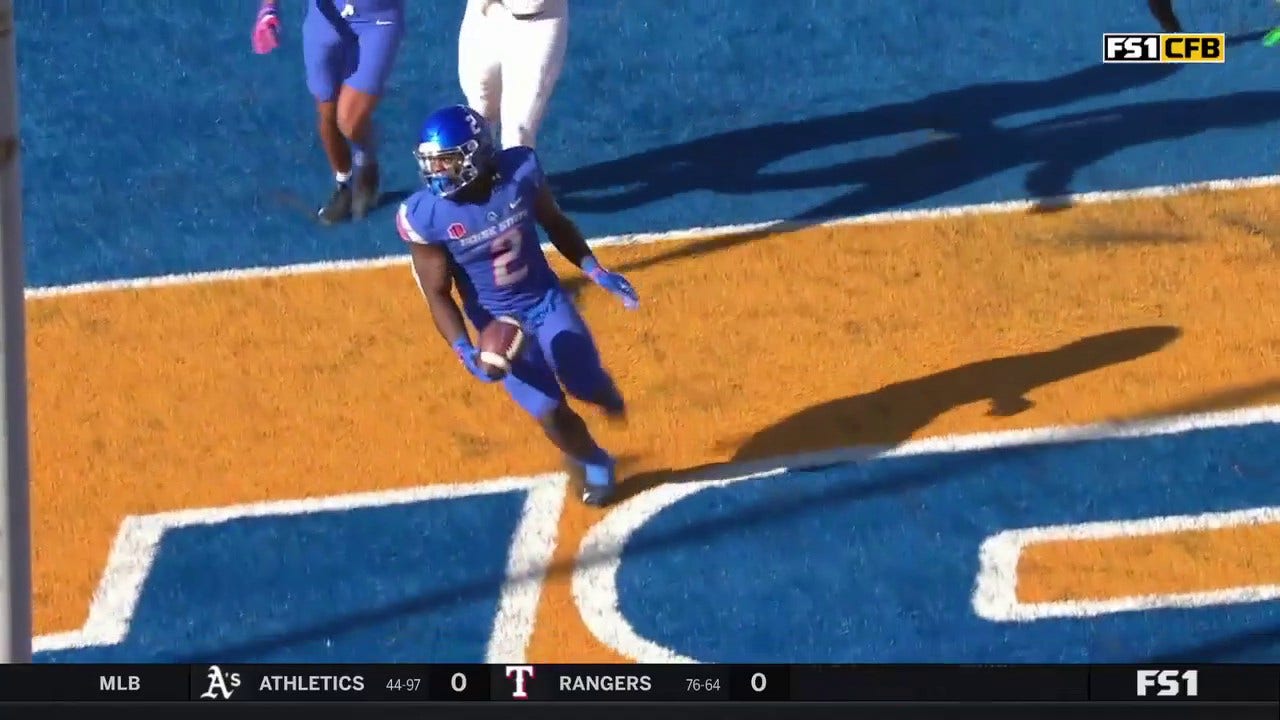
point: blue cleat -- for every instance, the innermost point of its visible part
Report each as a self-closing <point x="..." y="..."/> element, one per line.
<point x="598" y="483"/>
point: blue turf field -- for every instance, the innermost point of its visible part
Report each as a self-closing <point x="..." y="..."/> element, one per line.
<point x="868" y="562"/>
<point x="160" y="144"/>
<point x="887" y="586"/>
<point x="397" y="583"/>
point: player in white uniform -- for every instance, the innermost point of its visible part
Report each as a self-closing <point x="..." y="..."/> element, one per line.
<point x="510" y="53"/>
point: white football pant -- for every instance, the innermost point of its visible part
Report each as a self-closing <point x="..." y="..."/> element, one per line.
<point x="508" y="67"/>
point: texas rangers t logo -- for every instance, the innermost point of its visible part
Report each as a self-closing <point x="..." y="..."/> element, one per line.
<point x="520" y="674"/>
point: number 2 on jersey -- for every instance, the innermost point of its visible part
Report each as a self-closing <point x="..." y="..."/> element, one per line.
<point x="508" y="267"/>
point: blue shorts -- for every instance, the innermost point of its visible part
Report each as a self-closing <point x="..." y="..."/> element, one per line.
<point x="357" y="51"/>
<point x="562" y="353"/>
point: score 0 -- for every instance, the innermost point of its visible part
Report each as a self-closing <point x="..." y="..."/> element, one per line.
<point x="460" y="682"/>
<point x="761" y="682"/>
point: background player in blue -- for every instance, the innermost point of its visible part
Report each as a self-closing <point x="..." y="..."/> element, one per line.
<point x="348" y="47"/>
<point x="475" y="224"/>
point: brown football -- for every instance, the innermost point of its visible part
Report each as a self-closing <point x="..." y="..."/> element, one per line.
<point x="500" y="342"/>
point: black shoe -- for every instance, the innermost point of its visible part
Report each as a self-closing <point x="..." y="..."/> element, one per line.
<point x="338" y="208"/>
<point x="365" y="198"/>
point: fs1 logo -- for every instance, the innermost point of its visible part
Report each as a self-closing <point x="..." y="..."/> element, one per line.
<point x="1164" y="48"/>
<point x="1172" y="683"/>
<point x="520" y="674"/>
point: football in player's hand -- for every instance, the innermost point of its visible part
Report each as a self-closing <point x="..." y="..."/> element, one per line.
<point x="500" y="342"/>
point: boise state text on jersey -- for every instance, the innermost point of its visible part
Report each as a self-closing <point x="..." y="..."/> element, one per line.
<point x="493" y="245"/>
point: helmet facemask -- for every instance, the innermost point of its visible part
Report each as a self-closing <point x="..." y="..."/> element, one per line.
<point x="447" y="170"/>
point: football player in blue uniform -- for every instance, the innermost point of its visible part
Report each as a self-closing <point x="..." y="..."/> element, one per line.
<point x="348" y="48"/>
<point x="475" y="225"/>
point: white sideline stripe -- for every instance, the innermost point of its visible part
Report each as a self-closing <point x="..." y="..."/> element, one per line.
<point x="533" y="545"/>
<point x="595" y="577"/>
<point x="697" y="233"/>
<point x="995" y="595"/>
<point x="138" y="539"/>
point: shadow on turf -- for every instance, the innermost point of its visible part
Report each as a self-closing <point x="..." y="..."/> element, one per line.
<point x="960" y="141"/>
<point x="746" y="462"/>
<point x="307" y="208"/>
<point x="892" y="414"/>
<point x="1003" y="382"/>
<point x="1224" y="649"/>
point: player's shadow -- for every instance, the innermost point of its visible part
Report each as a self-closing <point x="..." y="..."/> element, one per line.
<point x="736" y="162"/>
<point x="962" y="136"/>
<point x="1225" y="649"/>
<point x="391" y="197"/>
<point x="303" y="207"/>
<point x="852" y="427"/>
<point x="1004" y="382"/>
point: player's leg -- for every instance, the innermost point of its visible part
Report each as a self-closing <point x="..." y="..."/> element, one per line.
<point x="326" y="55"/>
<point x="378" y="45"/>
<point x="567" y="342"/>
<point x="533" y="56"/>
<point x="564" y="340"/>
<point x="479" y="63"/>
<point x="533" y="385"/>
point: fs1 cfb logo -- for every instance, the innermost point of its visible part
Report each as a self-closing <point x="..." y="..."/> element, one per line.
<point x="1164" y="48"/>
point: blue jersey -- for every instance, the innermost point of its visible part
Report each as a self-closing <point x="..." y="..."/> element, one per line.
<point x="495" y="253"/>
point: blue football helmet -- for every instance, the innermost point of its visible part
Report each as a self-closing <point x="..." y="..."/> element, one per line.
<point x="455" y="147"/>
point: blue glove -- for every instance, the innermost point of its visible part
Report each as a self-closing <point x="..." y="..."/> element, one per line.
<point x="471" y="360"/>
<point x="611" y="281"/>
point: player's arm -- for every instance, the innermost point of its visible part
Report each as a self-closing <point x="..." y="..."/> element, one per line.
<point x="266" y="27"/>
<point x="568" y="239"/>
<point x="430" y="263"/>
<point x="562" y="231"/>
<point x="431" y="270"/>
